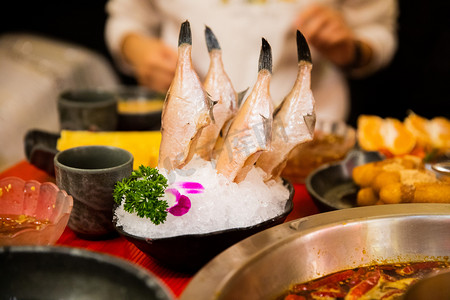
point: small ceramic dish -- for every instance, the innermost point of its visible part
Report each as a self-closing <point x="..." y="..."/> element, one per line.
<point x="55" y="272"/>
<point x="188" y="253"/>
<point x="139" y="108"/>
<point x="332" y="141"/>
<point x="331" y="186"/>
<point x="32" y="213"/>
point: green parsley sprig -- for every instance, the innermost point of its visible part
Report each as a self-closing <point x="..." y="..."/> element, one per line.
<point x="142" y="192"/>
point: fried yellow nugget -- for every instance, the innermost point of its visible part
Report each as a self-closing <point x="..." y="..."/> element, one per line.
<point x="436" y="192"/>
<point x="411" y="162"/>
<point x="396" y="193"/>
<point x="364" y="175"/>
<point x="445" y="179"/>
<point x="429" y="192"/>
<point x="366" y="196"/>
<point x="384" y="178"/>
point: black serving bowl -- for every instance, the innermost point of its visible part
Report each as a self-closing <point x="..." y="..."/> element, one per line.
<point x="139" y="109"/>
<point x="51" y="272"/>
<point x="188" y="253"/>
<point x="331" y="186"/>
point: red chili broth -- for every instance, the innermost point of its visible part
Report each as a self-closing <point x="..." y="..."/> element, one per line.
<point x="388" y="281"/>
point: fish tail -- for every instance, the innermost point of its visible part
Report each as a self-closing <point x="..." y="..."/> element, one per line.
<point x="265" y="57"/>
<point x="241" y="96"/>
<point x="310" y="122"/>
<point x="211" y="40"/>
<point x="267" y="127"/>
<point x="185" y="36"/>
<point x="211" y="104"/>
<point x="303" y="52"/>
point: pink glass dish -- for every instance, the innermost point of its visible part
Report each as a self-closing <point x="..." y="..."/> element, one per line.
<point x="42" y="201"/>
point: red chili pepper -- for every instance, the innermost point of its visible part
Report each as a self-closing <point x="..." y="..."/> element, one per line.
<point x="333" y="278"/>
<point x="411" y="269"/>
<point x="387" y="267"/>
<point x="388" y="277"/>
<point x="294" y="297"/>
<point x="330" y="290"/>
<point x="357" y="277"/>
<point x="364" y="286"/>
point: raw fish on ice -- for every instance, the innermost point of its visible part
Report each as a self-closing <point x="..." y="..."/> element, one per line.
<point x="250" y="132"/>
<point x="294" y="118"/>
<point x="220" y="89"/>
<point x="186" y="111"/>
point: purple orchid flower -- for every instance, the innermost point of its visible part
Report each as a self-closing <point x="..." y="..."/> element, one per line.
<point x="183" y="203"/>
<point x="190" y="187"/>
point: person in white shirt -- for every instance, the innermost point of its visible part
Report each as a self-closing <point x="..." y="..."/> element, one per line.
<point x="347" y="38"/>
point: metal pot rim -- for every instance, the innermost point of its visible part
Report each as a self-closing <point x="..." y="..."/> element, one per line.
<point x="211" y="279"/>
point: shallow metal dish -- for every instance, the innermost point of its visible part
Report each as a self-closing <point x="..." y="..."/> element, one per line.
<point x="331" y="186"/>
<point x="266" y="264"/>
<point x="50" y="272"/>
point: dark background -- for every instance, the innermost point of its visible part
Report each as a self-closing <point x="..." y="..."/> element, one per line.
<point x="418" y="78"/>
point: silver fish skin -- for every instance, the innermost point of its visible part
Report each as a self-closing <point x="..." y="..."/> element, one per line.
<point x="186" y="109"/>
<point x="294" y="118"/>
<point x="221" y="91"/>
<point x="250" y="132"/>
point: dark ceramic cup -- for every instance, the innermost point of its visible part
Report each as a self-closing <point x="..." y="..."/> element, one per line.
<point x="89" y="174"/>
<point x="94" y="110"/>
<point x="139" y="109"/>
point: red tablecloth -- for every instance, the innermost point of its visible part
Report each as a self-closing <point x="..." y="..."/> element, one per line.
<point x="303" y="206"/>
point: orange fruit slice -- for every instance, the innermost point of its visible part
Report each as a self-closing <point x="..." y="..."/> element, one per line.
<point x="419" y="127"/>
<point x="369" y="132"/>
<point x="431" y="134"/>
<point x="396" y="137"/>
<point x="415" y="135"/>
<point x="387" y="135"/>
<point x="439" y="131"/>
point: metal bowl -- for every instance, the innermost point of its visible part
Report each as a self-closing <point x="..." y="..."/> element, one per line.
<point x="188" y="253"/>
<point x="268" y="263"/>
<point x="38" y="272"/>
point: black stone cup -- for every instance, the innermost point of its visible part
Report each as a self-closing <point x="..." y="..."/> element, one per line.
<point x="89" y="174"/>
<point x="93" y="110"/>
<point x="139" y="109"/>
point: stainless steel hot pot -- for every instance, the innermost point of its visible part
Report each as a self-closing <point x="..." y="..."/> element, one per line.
<point x="266" y="264"/>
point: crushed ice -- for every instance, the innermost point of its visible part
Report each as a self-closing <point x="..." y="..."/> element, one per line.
<point x="215" y="203"/>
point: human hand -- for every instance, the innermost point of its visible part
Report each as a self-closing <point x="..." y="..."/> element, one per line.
<point x="154" y="62"/>
<point x="326" y="30"/>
